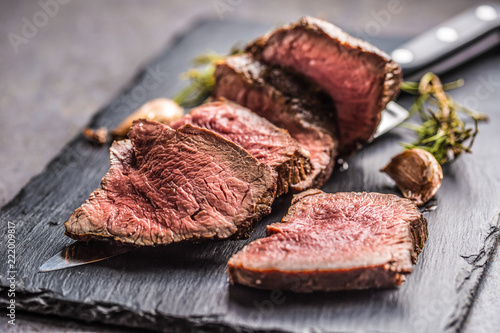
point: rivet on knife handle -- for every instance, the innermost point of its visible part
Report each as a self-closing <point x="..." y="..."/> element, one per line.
<point x="451" y="43"/>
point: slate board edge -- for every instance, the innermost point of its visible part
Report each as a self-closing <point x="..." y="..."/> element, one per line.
<point x="475" y="276"/>
<point x="48" y="302"/>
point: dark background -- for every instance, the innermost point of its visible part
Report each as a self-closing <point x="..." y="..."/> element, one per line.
<point x="84" y="54"/>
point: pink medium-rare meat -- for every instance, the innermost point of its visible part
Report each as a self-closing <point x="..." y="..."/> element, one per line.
<point x="359" y="77"/>
<point x="263" y="140"/>
<point x="248" y="83"/>
<point x="167" y="185"/>
<point x="335" y="241"/>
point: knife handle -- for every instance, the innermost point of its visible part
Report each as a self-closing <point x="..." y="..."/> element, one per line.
<point x="451" y="43"/>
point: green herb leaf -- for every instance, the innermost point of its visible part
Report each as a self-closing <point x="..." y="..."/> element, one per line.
<point x="442" y="132"/>
<point x="201" y="78"/>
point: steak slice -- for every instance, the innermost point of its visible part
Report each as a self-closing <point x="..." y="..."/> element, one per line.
<point x="263" y="140"/>
<point x="359" y="77"/>
<point x="247" y="82"/>
<point x="168" y="186"/>
<point x="335" y="242"/>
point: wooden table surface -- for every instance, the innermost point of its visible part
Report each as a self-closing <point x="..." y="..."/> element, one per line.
<point x="79" y="55"/>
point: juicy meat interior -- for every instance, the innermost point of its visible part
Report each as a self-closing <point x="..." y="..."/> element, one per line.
<point x="248" y="83"/>
<point x="359" y="77"/>
<point x="334" y="242"/>
<point x="167" y="185"/>
<point x="263" y="140"/>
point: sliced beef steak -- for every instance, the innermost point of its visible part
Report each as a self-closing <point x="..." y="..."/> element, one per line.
<point x="359" y="77"/>
<point x="335" y="242"/>
<point x="168" y="185"/>
<point x="249" y="83"/>
<point x="266" y="142"/>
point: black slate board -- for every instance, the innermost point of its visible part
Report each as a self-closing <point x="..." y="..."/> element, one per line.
<point x="184" y="286"/>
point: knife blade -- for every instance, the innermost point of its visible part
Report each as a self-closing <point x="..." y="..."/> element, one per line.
<point x="82" y="253"/>
<point x="392" y="116"/>
<point x="440" y="49"/>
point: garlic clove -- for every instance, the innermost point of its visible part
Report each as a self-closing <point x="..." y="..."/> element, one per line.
<point x="97" y="136"/>
<point x="417" y="174"/>
<point x="162" y="110"/>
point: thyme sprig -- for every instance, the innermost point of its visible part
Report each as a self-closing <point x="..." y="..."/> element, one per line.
<point x="201" y="78"/>
<point x="442" y="132"/>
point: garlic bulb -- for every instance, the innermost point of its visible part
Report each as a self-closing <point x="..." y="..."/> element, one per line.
<point x="162" y="110"/>
<point x="417" y="174"/>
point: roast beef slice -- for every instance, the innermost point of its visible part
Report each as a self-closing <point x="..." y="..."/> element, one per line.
<point x="335" y="241"/>
<point x="360" y="78"/>
<point x="167" y="185"/>
<point x="247" y="82"/>
<point x="263" y="140"/>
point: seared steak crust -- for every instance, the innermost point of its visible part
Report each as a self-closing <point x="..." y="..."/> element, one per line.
<point x="168" y="186"/>
<point x="335" y="242"/>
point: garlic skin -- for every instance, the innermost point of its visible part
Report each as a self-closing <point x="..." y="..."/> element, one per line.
<point x="162" y="110"/>
<point x="98" y="136"/>
<point x="417" y="174"/>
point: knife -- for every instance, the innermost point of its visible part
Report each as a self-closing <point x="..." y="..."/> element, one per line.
<point x="437" y="50"/>
<point x="82" y="253"/>
<point x="442" y="48"/>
